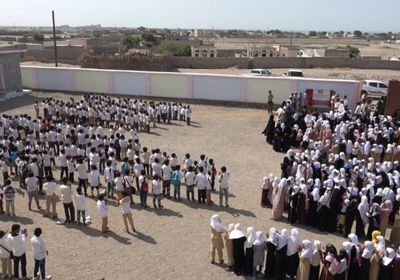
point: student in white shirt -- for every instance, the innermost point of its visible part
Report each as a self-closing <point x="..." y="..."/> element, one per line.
<point x="80" y="206"/>
<point x="119" y="185"/>
<point x="189" y="181"/>
<point x="33" y="190"/>
<point x="223" y="187"/>
<point x="166" y="177"/>
<point x="125" y="204"/>
<point x="157" y="196"/>
<point x="103" y="212"/>
<point x="39" y="255"/>
<point x="201" y="183"/>
<point x="82" y="170"/>
<point x="63" y="164"/>
<point x="94" y="179"/>
<point x="5" y="256"/>
<point x="66" y="198"/>
<point x="17" y="241"/>
<point x="51" y="197"/>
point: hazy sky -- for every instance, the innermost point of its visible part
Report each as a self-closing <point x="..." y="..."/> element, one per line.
<point x="297" y="15"/>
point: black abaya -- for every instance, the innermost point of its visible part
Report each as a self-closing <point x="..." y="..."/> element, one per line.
<point x="364" y="269"/>
<point x="280" y="264"/>
<point x="354" y="267"/>
<point x="314" y="272"/>
<point x="238" y="254"/>
<point x="386" y="271"/>
<point x="248" y="268"/>
<point x="270" y="261"/>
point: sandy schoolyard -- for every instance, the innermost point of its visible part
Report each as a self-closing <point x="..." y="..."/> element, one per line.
<point x="174" y="242"/>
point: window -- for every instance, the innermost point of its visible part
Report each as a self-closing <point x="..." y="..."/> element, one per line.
<point x="264" y="53"/>
<point x="197" y="53"/>
<point x="373" y="84"/>
<point x="211" y="53"/>
<point x="365" y="83"/>
<point x="204" y="53"/>
<point x="382" y="85"/>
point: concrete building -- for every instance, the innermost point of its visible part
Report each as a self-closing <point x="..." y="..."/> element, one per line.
<point x="10" y="72"/>
<point x="204" y="51"/>
<point x="336" y="52"/>
<point x="263" y="51"/>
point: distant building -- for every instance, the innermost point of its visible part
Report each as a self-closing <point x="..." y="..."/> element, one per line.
<point x="204" y="51"/>
<point x="337" y="52"/>
<point x="10" y="72"/>
<point x="262" y="51"/>
<point x="203" y="33"/>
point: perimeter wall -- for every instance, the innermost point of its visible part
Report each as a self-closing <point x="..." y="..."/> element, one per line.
<point x="179" y="85"/>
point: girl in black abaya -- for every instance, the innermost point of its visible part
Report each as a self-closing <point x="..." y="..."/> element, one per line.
<point x="272" y="243"/>
<point x="366" y="255"/>
<point x="280" y="256"/>
<point x="251" y="237"/>
<point x="387" y="265"/>
<point x="238" y="238"/>
<point x="374" y="219"/>
<point x="269" y="130"/>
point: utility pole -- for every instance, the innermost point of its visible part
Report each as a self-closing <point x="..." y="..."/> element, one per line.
<point x="54" y="39"/>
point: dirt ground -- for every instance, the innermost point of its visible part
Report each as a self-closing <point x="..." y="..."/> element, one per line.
<point x="329" y="73"/>
<point x="174" y="242"/>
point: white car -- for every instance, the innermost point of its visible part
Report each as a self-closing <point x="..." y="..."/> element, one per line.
<point x="260" y="72"/>
<point x="374" y="88"/>
<point x="294" y="73"/>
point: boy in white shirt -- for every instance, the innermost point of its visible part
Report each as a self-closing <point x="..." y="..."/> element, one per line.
<point x="103" y="212"/>
<point x="5" y="257"/>
<point x="39" y="254"/>
<point x="157" y="196"/>
<point x="80" y="206"/>
<point x="189" y="180"/>
<point x="51" y="197"/>
<point x="201" y="183"/>
<point x="166" y="176"/>
<point x="17" y="241"/>
<point x="94" y="179"/>
<point x="224" y="184"/>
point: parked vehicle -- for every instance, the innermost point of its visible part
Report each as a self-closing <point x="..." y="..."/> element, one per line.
<point x="294" y="73"/>
<point x="260" y="72"/>
<point x="374" y="88"/>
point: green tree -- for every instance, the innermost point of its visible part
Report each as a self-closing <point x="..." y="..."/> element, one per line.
<point x="130" y="41"/>
<point x="175" y="49"/>
<point x="354" y="52"/>
<point x="312" y="33"/>
<point x="38" y="37"/>
<point x="357" y="33"/>
<point x="97" y="33"/>
<point x="148" y="37"/>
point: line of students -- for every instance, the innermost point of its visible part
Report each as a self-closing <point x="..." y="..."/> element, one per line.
<point x="281" y="256"/>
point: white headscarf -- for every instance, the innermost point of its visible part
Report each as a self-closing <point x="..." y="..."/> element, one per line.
<point x="369" y="249"/>
<point x="251" y="237"/>
<point x="363" y="208"/>
<point x="260" y="240"/>
<point x="353" y="239"/>
<point x="294" y="242"/>
<point x="307" y="250"/>
<point x="391" y="254"/>
<point x="273" y="236"/>
<point x="282" y="239"/>
<point x="216" y="224"/>
<point x="380" y="245"/>
<point x="236" y="232"/>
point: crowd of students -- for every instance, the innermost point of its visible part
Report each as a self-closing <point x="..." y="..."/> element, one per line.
<point x="281" y="255"/>
<point x="341" y="168"/>
<point x="94" y="143"/>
